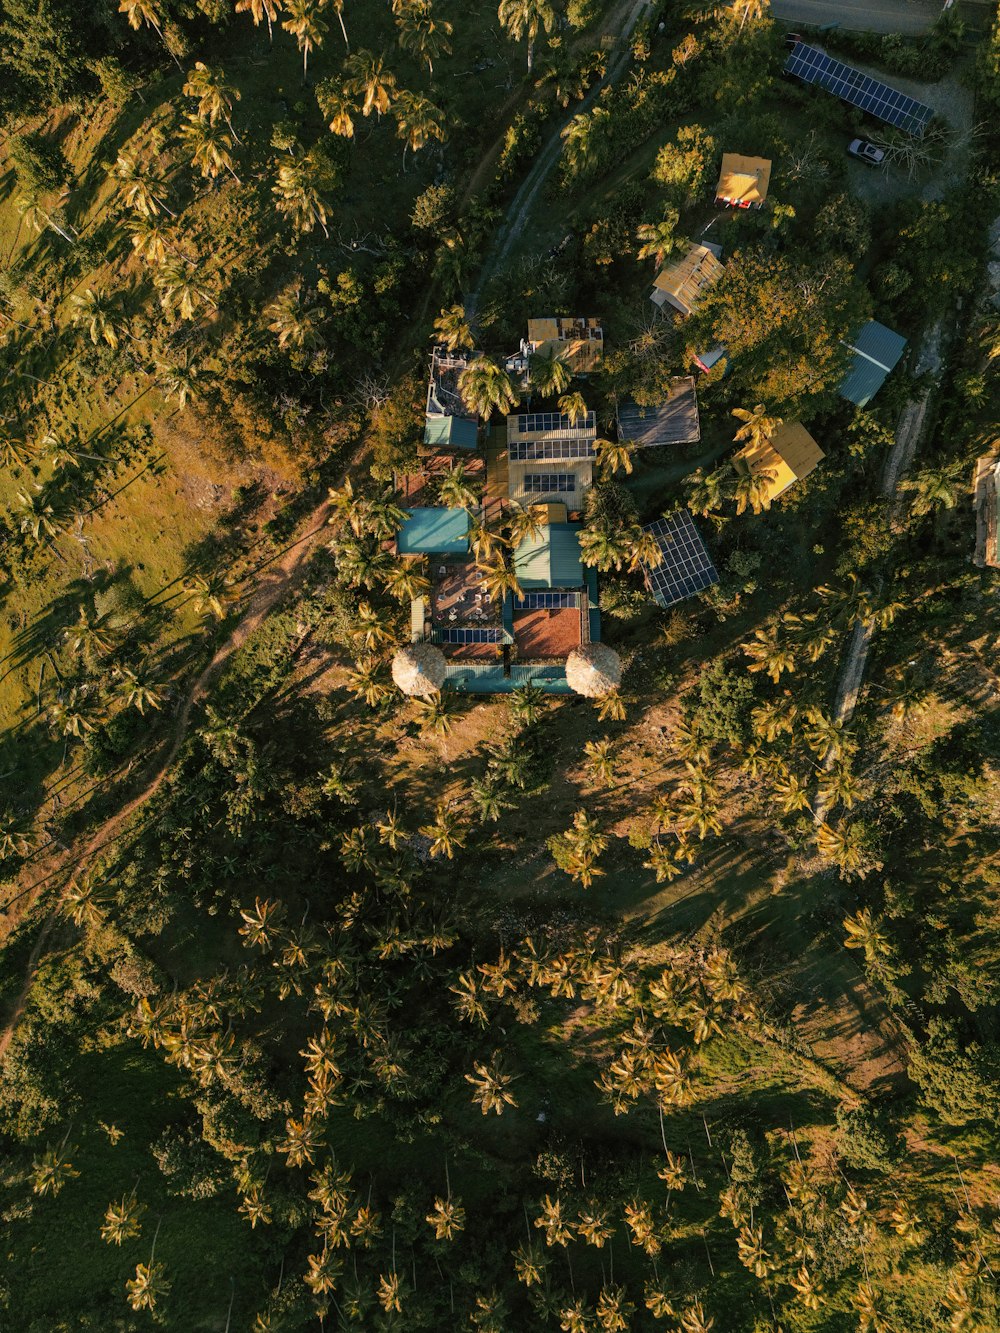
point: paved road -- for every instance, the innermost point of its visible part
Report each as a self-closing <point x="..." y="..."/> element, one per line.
<point x="905" y="16"/>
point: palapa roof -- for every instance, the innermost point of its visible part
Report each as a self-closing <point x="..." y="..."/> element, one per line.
<point x="743" y="181"/>
<point x="682" y="284"/>
<point x="593" y="670"/>
<point x="791" y="454"/>
<point x="419" y="670"/>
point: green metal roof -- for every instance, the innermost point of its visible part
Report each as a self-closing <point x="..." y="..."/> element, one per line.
<point x="876" y="352"/>
<point x="450" y="432"/>
<point x="434" y="532"/>
<point x="551" y="559"/>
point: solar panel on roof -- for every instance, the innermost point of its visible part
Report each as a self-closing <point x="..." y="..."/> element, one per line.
<point x="472" y="635"/>
<point x="812" y="65"/>
<point x="542" y="482"/>
<point x="686" y="567"/>
<point x="522" y="451"/>
<point x="531" y="423"/>
<point x="547" y="601"/>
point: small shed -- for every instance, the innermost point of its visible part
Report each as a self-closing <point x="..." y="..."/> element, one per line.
<point x="434" y="532"/>
<point x="877" y="351"/>
<point x="550" y="558"/>
<point x="791" y="454"/>
<point x="743" y="181"/>
<point x="682" y="284"/>
<point x="674" y="421"/>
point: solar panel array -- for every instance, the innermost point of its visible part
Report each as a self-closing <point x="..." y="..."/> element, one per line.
<point x="523" y="451"/>
<point x="490" y="635"/>
<point x="533" y="423"/>
<point x="812" y="65"/>
<point x="686" y="567"/>
<point x="547" y="601"/>
<point x="542" y="482"/>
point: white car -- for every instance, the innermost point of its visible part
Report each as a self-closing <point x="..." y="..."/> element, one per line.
<point x="866" y="152"/>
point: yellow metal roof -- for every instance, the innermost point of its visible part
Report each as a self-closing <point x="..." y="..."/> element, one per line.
<point x="791" y="454"/>
<point x="683" y="283"/>
<point x="743" y="181"/>
<point x="579" y="341"/>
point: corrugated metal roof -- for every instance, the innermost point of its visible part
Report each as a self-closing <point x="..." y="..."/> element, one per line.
<point x="450" y="432"/>
<point x="682" y="283"/>
<point x="579" y="342"/>
<point x="672" y="422"/>
<point x="877" y="351"/>
<point x="434" y="532"/>
<point x="791" y="454"/>
<point x="551" y="558"/>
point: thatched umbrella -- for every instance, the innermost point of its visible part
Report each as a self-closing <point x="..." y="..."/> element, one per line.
<point x="594" y="670"/>
<point x="419" y="669"/>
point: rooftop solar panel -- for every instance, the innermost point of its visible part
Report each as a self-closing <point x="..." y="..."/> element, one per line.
<point x="812" y="65"/>
<point x="686" y="567"/>
<point x="547" y="601"/>
<point x="522" y="451"/>
<point x="472" y="635"/>
<point x="528" y="423"/>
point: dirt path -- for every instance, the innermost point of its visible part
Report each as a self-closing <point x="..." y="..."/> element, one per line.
<point x="284" y="572"/>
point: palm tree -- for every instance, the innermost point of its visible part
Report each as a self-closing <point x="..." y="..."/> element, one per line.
<point x="599" y="762"/>
<point x="139" y="12"/>
<point x="769" y="652"/>
<point x="934" y="488"/>
<point x="492" y="1086"/>
<point x="296" y="323"/>
<point x="15" y="453"/>
<point x="100" y="315"/>
<point x="406" y="579"/>
<point x="499" y="578"/>
<point x="368" y="682"/>
<point x="549" y="374"/>
<point x="209" y="146"/>
<point x="582" y="140"/>
<point x="445" y="833"/>
<point x="336" y="106"/>
<point x="423" y="35"/>
<point x="753" y="486"/>
<point x="526" y="18"/>
<point x="38" y="518"/>
<point x="709" y="491"/>
<point x="149" y="238"/>
<point x="148" y="1286"/>
<point x="484" y="541"/>
<point x="418" y="121"/>
<point x="614" y="455"/>
<point x="338" y="9"/>
<point x="180" y="381"/>
<point x="757" y="426"/>
<point x="369" y="80"/>
<point x="139" y="188"/>
<point x="180" y="289"/>
<point x="454" y="490"/>
<point x="51" y="1171"/>
<point x="452" y="329"/>
<point x="208" y="593"/>
<point x="215" y="96"/>
<point x="261" y="924"/>
<point x="484" y="386"/>
<point x="307" y="27"/>
<point x="659" y="239"/>
<point x="573" y="407"/>
<point x="136" y="692"/>
<point x="121" y="1220"/>
<point x="299" y="191"/>
<point x="523" y="523"/>
<point x="259" y="10"/>
<point x="605" y="548"/>
<point x="864" y="932"/>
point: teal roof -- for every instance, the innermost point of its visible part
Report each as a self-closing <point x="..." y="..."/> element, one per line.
<point x="450" y="432"/>
<point x="434" y="532"/>
<point x="876" y="353"/>
<point x="551" y="559"/>
<point x="471" y="678"/>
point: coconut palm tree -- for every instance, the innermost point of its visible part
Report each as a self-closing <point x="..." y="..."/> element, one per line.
<point x="307" y="26"/>
<point x="406" y="579"/>
<point x="599" y="762"/>
<point x="136" y="692"/>
<point x="180" y="290"/>
<point x="492" y="1086"/>
<point x="299" y="190"/>
<point x="752" y="489"/>
<point x="526" y="19"/>
<point x="215" y="96"/>
<point x="16" y="453"/>
<point x="209" y="145"/>
<point x="139" y="188"/>
<point x="709" y="491"/>
<point x="367" y="681"/>
<point x="582" y="139"/>
<point x="605" y="548"/>
<point x="148" y="1286"/>
<point x="148" y="12"/>
<point x="757" y="426"/>
<point x="181" y="381"/>
<point x="843" y="846"/>
<point x="770" y="652"/>
<point x="295" y="322"/>
<point x="445" y="833"/>
<point x="52" y="1170"/>
<point x="484" y="541"/>
<point x="452" y="329"/>
<point x="418" y="121"/>
<point x="259" y="10"/>
<point x="100" y="314"/>
<point x="150" y="238"/>
<point x="336" y="106"/>
<point x="549" y="374"/>
<point x="454" y="490"/>
<point x="485" y="386"/>
<point x="523" y="523"/>
<point x="499" y="578"/>
<point x="573" y="406"/>
<point x="864" y="932"/>
<point x="423" y="35"/>
<point x="37" y="517"/>
<point x="659" y="239"/>
<point x="121" y="1220"/>
<point x="369" y="80"/>
<point x="934" y="488"/>
<point x="209" y="594"/>
<point x="614" y="455"/>
<point x="840" y="787"/>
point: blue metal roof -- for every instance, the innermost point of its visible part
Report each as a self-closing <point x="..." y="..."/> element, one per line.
<point x="876" y="354"/>
<point x="434" y="532"/>
<point x="551" y="558"/>
<point x="451" y="432"/>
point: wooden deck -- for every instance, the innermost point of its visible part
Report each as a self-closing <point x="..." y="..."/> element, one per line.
<point x="497" y="480"/>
